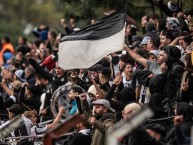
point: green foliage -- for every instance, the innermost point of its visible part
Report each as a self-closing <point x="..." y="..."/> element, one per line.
<point x="16" y="14"/>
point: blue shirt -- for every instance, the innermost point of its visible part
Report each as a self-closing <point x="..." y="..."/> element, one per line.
<point x="74" y="107"/>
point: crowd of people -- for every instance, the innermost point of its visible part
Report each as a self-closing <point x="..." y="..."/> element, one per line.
<point x="154" y="69"/>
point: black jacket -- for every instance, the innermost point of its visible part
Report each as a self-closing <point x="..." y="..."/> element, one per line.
<point x="81" y="139"/>
<point x="156" y="87"/>
<point x="32" y="102"/>
<point x="31" y="80"/>
<point x="174" y="73"/>
<point x="54" y="81"/>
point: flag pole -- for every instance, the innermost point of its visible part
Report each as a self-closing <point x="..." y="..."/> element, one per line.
<point x="126" y="1"/>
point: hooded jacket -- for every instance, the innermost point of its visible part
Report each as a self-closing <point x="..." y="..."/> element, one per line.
<point x="156" y="87"/>
<point x="174" y="72"/>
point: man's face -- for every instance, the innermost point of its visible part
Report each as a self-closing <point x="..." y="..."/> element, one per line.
<point x="99" y="110"/>
<point x="33" y="119"/>
<point x="95" y="75"/>
<point x="128" y="70"/>
<point x="27" y="73"/>
<point x="92" y="97"/>
<point x="162" y="57"/>
<point x="18" y="58"/>
<point x="72" y="95"/>
<point x="181" y="41"/>
<point x="164" y="41"/>
<point x="190" y="26"/>
<point x="126" y="113"/>
<point x="59" y="71"/>
<point x="149" y="46"/>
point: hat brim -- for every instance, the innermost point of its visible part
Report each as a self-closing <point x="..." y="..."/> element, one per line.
<point x="22" y="80"/>
<point x="97" y="103"/>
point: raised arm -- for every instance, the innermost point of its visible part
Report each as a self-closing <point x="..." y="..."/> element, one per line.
<point x="57" y="119"/>
<point x="136" y="56"/>
<point x="40" y="70"/>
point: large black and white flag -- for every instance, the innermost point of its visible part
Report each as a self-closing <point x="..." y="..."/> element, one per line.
<point x="86" y="47"/>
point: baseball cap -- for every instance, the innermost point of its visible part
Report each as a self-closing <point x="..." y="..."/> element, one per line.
<point x="145" y="40"/>
<point x="105" y="103"/>
<point x="20" y="75"/>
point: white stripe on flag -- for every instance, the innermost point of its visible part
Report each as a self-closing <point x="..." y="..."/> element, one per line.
<point x="85" y="53"/>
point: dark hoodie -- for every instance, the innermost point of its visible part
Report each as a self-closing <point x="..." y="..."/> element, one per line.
<point x="127" y="95"/>
<point x="174" y="72"/>
<point x="156" y="87"/>
<point x="141" y="76"/>
<point x="173" y="54"/>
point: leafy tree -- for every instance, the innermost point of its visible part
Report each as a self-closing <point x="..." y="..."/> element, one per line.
<point x="17" y="14"/>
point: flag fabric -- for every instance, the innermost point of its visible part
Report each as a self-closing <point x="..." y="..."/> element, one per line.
<point x="86" y="47"/>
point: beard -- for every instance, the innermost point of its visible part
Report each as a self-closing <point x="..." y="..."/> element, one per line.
<point x="97" y="116"/>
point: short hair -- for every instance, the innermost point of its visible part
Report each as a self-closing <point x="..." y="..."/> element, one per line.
<point x="37" y="43"/>
<point x="7" y="39"/>
<point x="16" y="109"/>
<point x="126" y="58"/>
<point x="184" y="33"/>
<point x="30" y="69"/>
<point x="141" y="51"/>
<point x="38" y="76"/>
<point x="167" y="34"/>
<point x="162" y="25"/>
<point x="132" y="64"/>
<point x="188" y="39"/>
<point x="155" y="41"/>
<point x="77" y="90"/>
<point x="53" y="34"/>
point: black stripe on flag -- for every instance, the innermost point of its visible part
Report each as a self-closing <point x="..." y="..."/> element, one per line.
<point x="104" y="28"/>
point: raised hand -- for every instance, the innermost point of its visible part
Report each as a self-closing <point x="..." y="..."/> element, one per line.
<point x="118" y="79"/>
